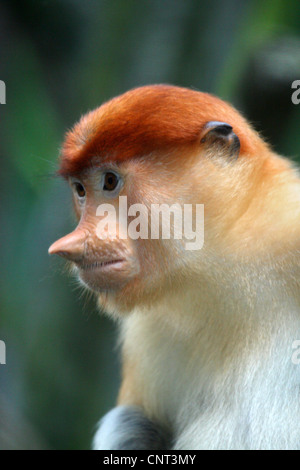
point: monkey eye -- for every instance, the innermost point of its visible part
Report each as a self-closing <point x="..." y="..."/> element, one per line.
<point x="80" y="191"/>
<point x="111" y="182"/>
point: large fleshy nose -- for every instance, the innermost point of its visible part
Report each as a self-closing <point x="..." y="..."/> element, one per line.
<point x="72" y="246"/>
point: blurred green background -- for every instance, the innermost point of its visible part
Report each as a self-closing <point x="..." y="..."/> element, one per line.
<point x="58" y="60"/>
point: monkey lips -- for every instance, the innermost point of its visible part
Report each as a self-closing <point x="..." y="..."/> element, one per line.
<point x="105" y="275"/>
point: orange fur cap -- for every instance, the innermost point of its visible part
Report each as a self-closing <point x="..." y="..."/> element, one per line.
<point x="146" y="120"/>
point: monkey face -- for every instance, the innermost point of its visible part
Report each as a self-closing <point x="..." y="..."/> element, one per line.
<point x="122" y="266"/>
<point x="102" y="260"/>
<point x="157" y="145"/>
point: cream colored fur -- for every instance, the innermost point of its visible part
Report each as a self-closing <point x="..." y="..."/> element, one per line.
<point x="212" y="360"/>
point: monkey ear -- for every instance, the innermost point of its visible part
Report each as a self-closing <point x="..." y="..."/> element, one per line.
<point x="220" y="134"/>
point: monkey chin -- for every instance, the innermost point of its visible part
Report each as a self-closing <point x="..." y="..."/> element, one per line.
<point x="107" y="280"/>
<point x="121" y="286"/>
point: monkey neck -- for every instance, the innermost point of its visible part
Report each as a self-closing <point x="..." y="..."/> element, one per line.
<point x="241" y="306"/>
<point x="215" y="331"/>
<point x="230" y="293"/>
<point x="238" y="293"/>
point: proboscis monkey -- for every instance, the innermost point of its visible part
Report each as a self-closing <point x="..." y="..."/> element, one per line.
<point x="208" y="335"/>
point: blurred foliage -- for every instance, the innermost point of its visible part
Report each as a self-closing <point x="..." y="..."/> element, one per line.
<point x="58" y="60"/>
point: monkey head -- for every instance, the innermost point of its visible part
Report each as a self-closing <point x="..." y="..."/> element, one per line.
<point x="156" y="145"/>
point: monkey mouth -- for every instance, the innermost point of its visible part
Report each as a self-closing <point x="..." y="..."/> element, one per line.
<point x="101" y="265"/>
<point x="106" y="275"/>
